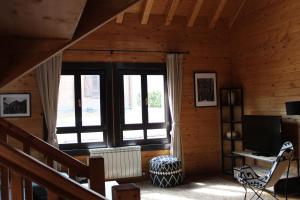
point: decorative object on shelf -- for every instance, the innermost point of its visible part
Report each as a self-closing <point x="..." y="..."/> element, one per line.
<point x="15" y="105"/>
<point x="205" y="89"/>
<point x="232" y="135"/>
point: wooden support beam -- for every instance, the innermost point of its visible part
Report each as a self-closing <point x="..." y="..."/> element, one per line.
<point x="147" y="11"/>
<point x="195" y="13"/>
<point x="217" y="14"/>
<point x="119" y="18"/>
<point x="236" y="14"/>
<point x="22" y="55"/>
<point x="171" y="12"/>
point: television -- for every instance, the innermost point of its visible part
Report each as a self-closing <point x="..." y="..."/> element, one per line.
<point x="262" y="134"/>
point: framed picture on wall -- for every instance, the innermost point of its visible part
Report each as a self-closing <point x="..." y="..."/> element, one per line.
<point x="205" y="89"/>
<point x="15" y="105"/>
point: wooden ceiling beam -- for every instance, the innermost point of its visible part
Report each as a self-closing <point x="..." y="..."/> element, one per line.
<point x="217" y="14"/>
<point x="147" y="11"/>
<point x="236" y="14"/>
<point x="171" y="12"/>
<point x="195" y="13"/>
<point x="25" y="54"/>
<point x="119" y="18"/>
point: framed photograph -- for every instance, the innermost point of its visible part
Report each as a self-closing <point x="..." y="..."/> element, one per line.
<point x="15" y="105"/>
<point x="205" y="89"/>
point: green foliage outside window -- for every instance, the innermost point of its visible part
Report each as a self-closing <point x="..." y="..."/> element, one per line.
<point x="154" y="99"/>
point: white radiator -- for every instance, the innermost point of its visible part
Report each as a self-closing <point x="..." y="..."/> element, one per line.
<point x="120" y="162"/>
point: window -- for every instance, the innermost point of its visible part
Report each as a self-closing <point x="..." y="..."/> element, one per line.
<point x="81" y="121"/>
<point x="113" y="104"/>
<point x="144" y="110"/>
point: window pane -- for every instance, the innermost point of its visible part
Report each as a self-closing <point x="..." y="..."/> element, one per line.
<point x="133" y="135"/>
<point x="68" y="138"/>
<point x="91" y="137"/>
<point x="66" y="102"/>
<point x="90" y="100"/>
<point x="156" y="100"/>
<point x="156" y="133"/>
<point x="132" y="99"/>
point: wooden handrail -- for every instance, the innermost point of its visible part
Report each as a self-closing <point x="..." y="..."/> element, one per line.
<point x="37" y="171"/>
<point x="45" y="148"/>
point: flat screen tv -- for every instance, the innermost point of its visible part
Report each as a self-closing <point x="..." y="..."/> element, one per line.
<point x="262" y="134"/>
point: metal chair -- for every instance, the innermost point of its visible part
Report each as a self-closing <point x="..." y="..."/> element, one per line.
<point x="258" y="184"/>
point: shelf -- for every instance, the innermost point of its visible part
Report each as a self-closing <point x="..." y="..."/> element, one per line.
<point x="231" y="112"/>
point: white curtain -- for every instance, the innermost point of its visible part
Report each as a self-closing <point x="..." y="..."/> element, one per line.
<point x="174" y="77"/>
<point x="48" y="76"/>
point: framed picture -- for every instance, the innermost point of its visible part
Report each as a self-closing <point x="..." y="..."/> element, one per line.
<point x="205" y="89"/>
<point x="15" y="105"/>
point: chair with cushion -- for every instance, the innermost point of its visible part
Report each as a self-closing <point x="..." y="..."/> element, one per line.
<point x="258" y="184"/>
<point x="165" y="171"/>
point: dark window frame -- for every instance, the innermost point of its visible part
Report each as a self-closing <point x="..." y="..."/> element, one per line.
<point x="142" y="69"/>
<point x="78" y="69"/>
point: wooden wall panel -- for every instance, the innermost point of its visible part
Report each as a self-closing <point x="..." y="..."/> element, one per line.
<point x="209" y="51"/>
<point x="27" y="84"/>
<point x="265" y="55"/>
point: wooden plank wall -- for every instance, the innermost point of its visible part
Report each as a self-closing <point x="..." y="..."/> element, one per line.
<point x="27" y="84"/>
<point x="208" y="52"/>
<point x="266" y="58"/>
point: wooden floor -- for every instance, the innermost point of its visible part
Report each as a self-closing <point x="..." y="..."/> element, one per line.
<point x="212" y="188"/>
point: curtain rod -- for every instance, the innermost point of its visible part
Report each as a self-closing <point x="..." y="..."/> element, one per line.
<point x="130" y="51"/>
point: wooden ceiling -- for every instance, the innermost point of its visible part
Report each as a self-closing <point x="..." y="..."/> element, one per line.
<point x="193" y="10"/>
<point x="47" y="27"/>
<point x="40" y="18"/>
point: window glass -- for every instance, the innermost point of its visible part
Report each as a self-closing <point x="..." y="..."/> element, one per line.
<point x="68" y="138"/>
<point x="156" y="100"/>
<point x="132" y="99"/>
<point x="91" y="137"/>
<point x="90" y="100"/>
<point x="133" y="135"/>
<point x="156" y="133"/>
<point x="66" y="102"/>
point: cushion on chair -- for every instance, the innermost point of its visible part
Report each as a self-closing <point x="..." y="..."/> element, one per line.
<point x="165" y="171"/>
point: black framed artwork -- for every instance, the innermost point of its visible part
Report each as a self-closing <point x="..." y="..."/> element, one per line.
<point x="15" y="105"/>
<point x="205" y="89"/>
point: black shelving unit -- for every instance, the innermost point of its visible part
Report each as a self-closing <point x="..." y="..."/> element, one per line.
<point x="231" y="112"/>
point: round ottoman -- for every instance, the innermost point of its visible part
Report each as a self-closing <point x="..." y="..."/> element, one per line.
<point x="165" y="171"/>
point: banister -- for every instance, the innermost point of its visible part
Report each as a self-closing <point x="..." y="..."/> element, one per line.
<point x="44" y="148"/>
<point x="44" y="175"/>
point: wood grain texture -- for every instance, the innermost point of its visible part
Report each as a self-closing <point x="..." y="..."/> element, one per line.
<point x="217" y="14"/>
<point x="25" y="54"/>
<point x="195" y="13"/>
<point x="172" y="12"/>
<point x="119" y="18"/>
<point x="209" y="51"/>
<point x="266" y="59"/>
<point x="147" y="11"/>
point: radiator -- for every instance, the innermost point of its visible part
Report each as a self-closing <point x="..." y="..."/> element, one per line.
<point x="120" y="162"/>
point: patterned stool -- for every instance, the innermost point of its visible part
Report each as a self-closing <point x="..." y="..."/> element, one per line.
<point x="165" y="171"/>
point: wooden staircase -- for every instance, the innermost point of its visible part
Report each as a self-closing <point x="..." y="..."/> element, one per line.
<point x="19" y="169"/>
